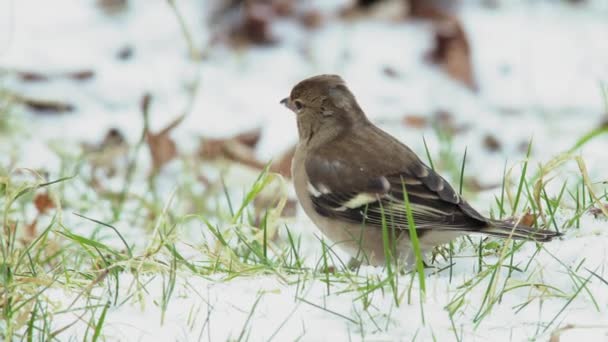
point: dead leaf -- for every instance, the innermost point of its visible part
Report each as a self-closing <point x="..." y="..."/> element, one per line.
<point x="311" y="19"/>
<point x="45" y="106"/>
<point x="597" y="212"/>
<point x="390" y="72"/>
<point x="415" y="121"/>
<point x="105" y="153"/>
<point x="31" y="231"/>
<point x="391" y="10"/>
<point x="283" y="8"/>
<point x="32" y="76"/>
<point x="473" y="184"/>
<point x="330" y="269"/>
<point x="43" y="202"/>
<point x="250" y="138"/>
<point x="528" y="219"/>
<point x="35" y="76"/>
<point x="112" y="6"/>
<point x="429" y="9"/>
<point x="491" y="143"/>
<point x="81" y="75"/>
<point x="162" y="147"/>
<point x="254" y="25"/>
<point x="451" y="50"/>
<point x="125" y="53"/>
<point x="556" y="334"/>
<point x="444" y="120"/>
<point x="241" y="153"/>
<point x="239" y="148"/>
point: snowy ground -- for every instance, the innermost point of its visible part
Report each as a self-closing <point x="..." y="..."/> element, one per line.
<point x="539" y="66"/>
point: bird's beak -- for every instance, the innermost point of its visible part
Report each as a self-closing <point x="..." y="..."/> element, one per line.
<point x="285" y="102"/>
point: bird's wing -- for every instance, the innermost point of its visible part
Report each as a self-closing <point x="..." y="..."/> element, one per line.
<point x="348" y="189"/>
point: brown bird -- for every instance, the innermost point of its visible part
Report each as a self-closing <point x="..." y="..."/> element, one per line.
<point x="350" y="178"/>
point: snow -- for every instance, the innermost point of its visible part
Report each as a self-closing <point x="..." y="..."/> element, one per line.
<point x="538" y="65"/>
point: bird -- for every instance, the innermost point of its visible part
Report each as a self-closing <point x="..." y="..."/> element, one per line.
<point x="351" y="179"/>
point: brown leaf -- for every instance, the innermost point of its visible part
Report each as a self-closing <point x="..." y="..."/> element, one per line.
<point x="162" y="147"/>
<point x="491" y="143"/>
<point x="44" y="106"/>
<point x="232" y="149"/>
<point x="429" y="9"/>
<point x="473" y="184"/>
<point x="597" y="212"/>
<point x="144" y="104"/>
<point x="31" y="231"/>
<point x="241" y="153"/>
<point x="254" y="26"/>
<point x="35" y="76"/>
<point x="81" y="75"/>
<point x="446" y="123"/>
<point x="555" y="335"/>
<point x="43" y="202"/>
<point x="376" y="9"/>
<point x="528" y="219"/>
<point x="105" y="153"/>
<point x="415" y="121"/>
<point x="112" y="6"/>
<point x="32" y="76"/>
<point x="250" y="138"/>
<point x="451" y="50"/>
<point x="239" y="146"/>
<point x="283" y="8"/>
<point x="125" y="53"/>
<point x="311" y="19"/>
<point x="240" y="149"/>
<point x="210" y="149"/>
<point x="390" y="72"/>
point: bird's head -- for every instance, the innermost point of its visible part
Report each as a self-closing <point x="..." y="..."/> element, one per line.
<point x="324" y="106"/>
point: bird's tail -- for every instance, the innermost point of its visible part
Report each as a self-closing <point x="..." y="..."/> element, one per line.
<point x="506" y="229"/>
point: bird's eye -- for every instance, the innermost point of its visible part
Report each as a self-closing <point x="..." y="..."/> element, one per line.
<point x="298" y="104"/>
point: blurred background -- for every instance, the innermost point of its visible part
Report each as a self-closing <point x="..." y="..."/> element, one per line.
<point x="157" y="117"/>
<point x="154" y="87"/>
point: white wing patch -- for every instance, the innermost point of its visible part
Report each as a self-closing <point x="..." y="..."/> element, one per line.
<point x="323" y="188"/>
<point x="317" y="191"/>
<point x="312" y="190"/>
<point x="359" y="201"/>
<point x="386" y="185"/>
